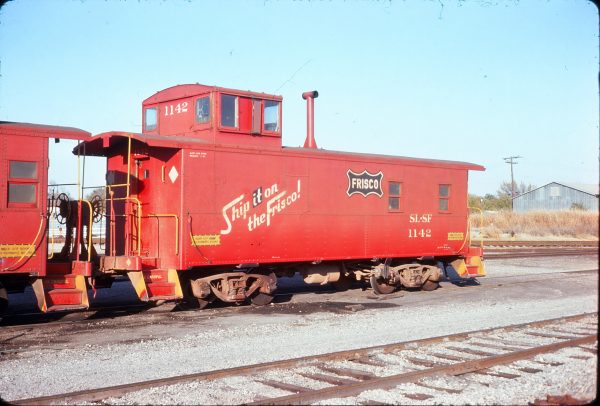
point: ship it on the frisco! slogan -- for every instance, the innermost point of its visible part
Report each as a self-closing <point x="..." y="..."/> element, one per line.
<point x="260" y="208"/>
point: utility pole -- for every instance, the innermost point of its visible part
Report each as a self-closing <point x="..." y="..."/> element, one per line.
<point x="511" y="160"/>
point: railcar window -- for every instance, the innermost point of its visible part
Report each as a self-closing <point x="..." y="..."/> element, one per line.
<point x="150" y="119"/>
<point x="394" y="191"/>
<point x="444" y="196"/>
<point x="23" y="170"/>
<point x="22" y="182"/>
<point x="229" y="111"/>
<point x="21" y="193"/>
<point x="203" y="110"/>
<point x="272" y="115"/>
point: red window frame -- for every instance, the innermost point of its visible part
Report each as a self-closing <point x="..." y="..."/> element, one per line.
<point x="249" y="118"/>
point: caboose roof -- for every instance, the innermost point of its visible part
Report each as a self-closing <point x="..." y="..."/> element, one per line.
<point x="182" y="91"/>
<point x="98" y="144"/>
<point x="359" y="156"/>
<point x="41" y="130"/>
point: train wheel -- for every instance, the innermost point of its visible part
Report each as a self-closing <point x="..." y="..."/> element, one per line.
<point x="428" y="286"/>
<point x="380" y="287"/>
<point x="261" y="299"/>
<point x="3" y="301"/>
<point x="202" y="303"/>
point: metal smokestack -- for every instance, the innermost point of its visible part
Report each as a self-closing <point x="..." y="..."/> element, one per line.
<point x="310" y="118"/>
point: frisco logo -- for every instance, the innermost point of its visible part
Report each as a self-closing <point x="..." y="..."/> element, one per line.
<point x="364" y="183"/>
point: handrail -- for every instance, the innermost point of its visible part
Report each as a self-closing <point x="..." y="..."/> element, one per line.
<point x="51" y="235"/>
<point x="89" y="231"/>
<point x="128" y="164"/>
<point x="139" y="235"/>
<point x="176" y="217"/>
<point x="480" y="224"/>
<point x="32" y="245"/>
<point x="112" y="227"/>
<point x="112" y="199"/>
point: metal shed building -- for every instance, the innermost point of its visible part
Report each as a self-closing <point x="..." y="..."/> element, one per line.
<point x="558" y="196"/>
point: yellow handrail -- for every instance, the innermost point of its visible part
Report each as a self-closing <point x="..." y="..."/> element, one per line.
<point x="480" y="224"/>
<point x="127" y="197"/>
<point x="32" y="245"/>
<point x="89" y="230"/>
<point x="139" y="236"/>
<point x="51" y="236"/>
<point x="176" y="227"/>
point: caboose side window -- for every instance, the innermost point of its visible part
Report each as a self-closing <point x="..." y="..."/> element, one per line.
<point x="229" y="111"/>
<point x="272" y="115"/>
<point x="21" y="169"/>
<point x="394" y="192"/>
<point x="22" y="183"/>
<point x="21" y="193"/>
<point x="444" y="197"/>
<point x="203" y="110"/>
<point x="150" y="119"/>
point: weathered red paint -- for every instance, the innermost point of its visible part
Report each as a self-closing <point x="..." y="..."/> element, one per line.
<point x="232" y="204"/>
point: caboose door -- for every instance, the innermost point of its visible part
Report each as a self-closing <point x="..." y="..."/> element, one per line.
<point x="23" y="183"/>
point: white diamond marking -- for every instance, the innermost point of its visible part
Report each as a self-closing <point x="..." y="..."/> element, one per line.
<point x="173" y="174"/>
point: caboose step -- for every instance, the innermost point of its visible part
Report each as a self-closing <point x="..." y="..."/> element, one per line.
<point x="69" y="297"/>
<point x="57" y="308"/>
<point x="472" y="267"/>
<point x="59" y="282"/>
<point x="64" y="292"/>
<point x="161" y="290"/>
<point x="156" y="284"/>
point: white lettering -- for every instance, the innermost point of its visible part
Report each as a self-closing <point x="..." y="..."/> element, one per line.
<point x="250" y="209"/>
<point x="178" y="108"/>
<point x="227" y="207"/>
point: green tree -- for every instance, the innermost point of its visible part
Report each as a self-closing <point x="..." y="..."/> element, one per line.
<point x="506" y="189"/>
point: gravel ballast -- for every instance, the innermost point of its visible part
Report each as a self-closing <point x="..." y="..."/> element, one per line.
<point x="113" y="353"/>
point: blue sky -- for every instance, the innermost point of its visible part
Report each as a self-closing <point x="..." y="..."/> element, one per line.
<point x="470" y="81"/>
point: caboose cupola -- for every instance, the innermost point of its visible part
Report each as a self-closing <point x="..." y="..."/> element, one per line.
<point x="217" y="115"/>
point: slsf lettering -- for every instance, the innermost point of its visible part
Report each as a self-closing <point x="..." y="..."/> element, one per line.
<point x="178" y="108"/>
<point x="420" y="218"/>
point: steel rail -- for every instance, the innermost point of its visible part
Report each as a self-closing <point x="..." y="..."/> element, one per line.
<point x="537" y="252"/>
<point x="543" y="243"/>
<point x="389" y="382"/>
<point x="97" y="394"/>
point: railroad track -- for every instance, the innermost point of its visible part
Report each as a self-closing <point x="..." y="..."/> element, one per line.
<point x="499" y="249"/>
<point x="530" y="244"/>
<point x="19" y="322"/>
<point x="517" y="348"/>
<point x="502" y="253"/>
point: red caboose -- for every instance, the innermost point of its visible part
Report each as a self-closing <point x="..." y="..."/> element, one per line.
<point x="207" y="202"/>
<point x="28" y="214"/>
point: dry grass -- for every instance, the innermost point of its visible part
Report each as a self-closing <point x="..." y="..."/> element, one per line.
<point x="543" y="224"/>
